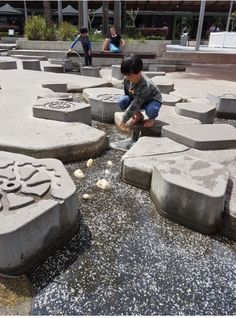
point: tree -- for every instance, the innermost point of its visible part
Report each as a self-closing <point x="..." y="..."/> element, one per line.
<point x="133" y="15"/>
<point x="233" y="21"/>
<point x="47" y="12"/>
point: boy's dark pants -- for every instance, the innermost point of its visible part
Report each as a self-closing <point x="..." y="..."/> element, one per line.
<point x="87" y="57"/>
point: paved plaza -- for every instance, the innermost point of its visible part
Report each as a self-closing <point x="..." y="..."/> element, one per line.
<point x="161" y="239"/>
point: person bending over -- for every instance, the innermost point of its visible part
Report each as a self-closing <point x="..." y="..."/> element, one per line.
<point x="113" y="43"/>
<point x="140" y="94"/>
<point x="83" y="37"/>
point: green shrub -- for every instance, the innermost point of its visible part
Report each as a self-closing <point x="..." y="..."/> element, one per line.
<point x="95" y="37"/>
<point x="155" y="37"/>
<point x="66" y="31"/>
<point x="35" y="28"/>
<point x="131" y="31"/>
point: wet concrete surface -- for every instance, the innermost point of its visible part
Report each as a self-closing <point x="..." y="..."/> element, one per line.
<point x="126" y="259"/>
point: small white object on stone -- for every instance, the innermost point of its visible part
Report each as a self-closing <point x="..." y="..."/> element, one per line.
<point x="89" y="163"/>
<point x="107" y="171"/>
<point x="79" y="174"/>
<point x="103" y="184"/>
<point x="86" y="196"/>
<point x="109" y="163"/>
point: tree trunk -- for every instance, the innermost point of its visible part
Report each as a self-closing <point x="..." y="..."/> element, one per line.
<point x="105" y="17"/>
<point x="80" y="15"/>
<point x="47" y="12"/>
<point x="123" y="17"/>
<point x="117" y="15"/>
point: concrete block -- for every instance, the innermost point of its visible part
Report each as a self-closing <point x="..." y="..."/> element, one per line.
<point x="56" y="87"/>
<point x="153" y="73"/>
<point x="61" y="110"/>
<point x="8" y="65"/>
<point x="170" y="100"/>
<point x="67" y="64"/>
<point x="138" y="162"/>
<point x="29" y="57"/>
<point x="206" y="137"/>
<point x="203" y="112"/>
<point x="104" y="106"/>
<point x="54" y="68"/>
<point x="33" y="65"/>
<point x="162" y="68"/>
<point x="92" y="71"/>
<point x="93" y="92"/>
<point x="116" y="73"/>
<point x="190" y="191"/>
<point x="225" y="104"/>
<point x="165" y="86"/>
<point x="38" y="210"/>
<point x="60" y="96"/>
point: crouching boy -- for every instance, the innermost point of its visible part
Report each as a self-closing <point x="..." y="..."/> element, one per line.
<point x="140" y="94"/>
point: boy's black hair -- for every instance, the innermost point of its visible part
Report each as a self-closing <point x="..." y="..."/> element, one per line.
<point x="131" y="64"/>
<point x="83" y="30"/>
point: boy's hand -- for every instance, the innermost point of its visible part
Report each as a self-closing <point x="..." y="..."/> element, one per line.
<point x="123" y="127"/>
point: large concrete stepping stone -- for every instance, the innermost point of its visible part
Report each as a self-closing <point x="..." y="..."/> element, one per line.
<point x="62" y="110"/>
<point x="54" y="68"/>
<point x="56" y="87"/>
<point x="8" y="65"/>
<point x="225" y="104"/>
<point x="203" y="112"/>
<point x="165" y="86"/>
<point x="190" y="191"/>
<point x="162" y="68"/>
<point x="59" y="96"/>
<point x="38" y="210"/>
<point x="137" y="163"/>
<point x="116" y="73"/>
<point x="93" y="71"/>
<point x="206" y="137"/>
<point x="104" y="102"/>
<point x="66" y="63"/>
<point x="152" y="74"/>
<point x="32" y="65"/>
<point x="171" y="100"/>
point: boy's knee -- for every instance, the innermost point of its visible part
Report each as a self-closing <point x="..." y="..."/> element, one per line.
<point x="123" y="102"/>
<point x="152" y="109"/>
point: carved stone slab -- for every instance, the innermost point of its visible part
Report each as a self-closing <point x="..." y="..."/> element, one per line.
<point x="104" y="102"/>
<point x="38" y="208"/>
<point x="225" y="104"/>
<point x="206" y="137"/>
<point x="165" y="86"/>
<point x="190" y="191"/>
<point x="201" y="111"/>
<point x="92" y="71"/>
<point x="62" y="110"/>
<point x="8" y="65"/>
<point x="33" y="65"/>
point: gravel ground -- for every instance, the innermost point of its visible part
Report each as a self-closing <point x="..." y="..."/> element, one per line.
<point x="128" y="260"/>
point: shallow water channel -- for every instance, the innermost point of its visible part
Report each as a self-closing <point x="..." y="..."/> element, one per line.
<point x="126" y="259"/>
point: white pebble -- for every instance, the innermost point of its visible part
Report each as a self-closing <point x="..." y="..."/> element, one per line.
<point x="89" y="163"/>
<point x="103" y="184"/>
<point x="86" y="196"/>
<point x="109" y="163"/>
<point x="79" y="174"/>
<point x="107" y="171"/>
